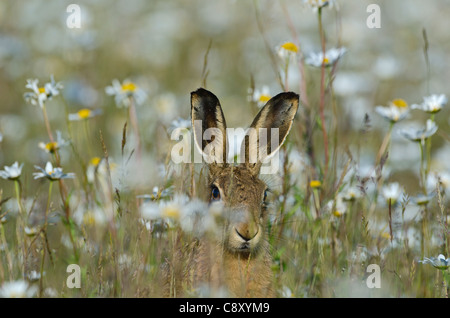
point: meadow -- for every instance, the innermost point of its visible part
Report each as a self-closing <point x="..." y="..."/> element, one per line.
<point x="358" y="208"/>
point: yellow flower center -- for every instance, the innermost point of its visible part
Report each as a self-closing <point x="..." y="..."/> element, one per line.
<point x="264" y="98"/>
<point x="337" y="214"/>
<point x="51" y="146"/>
<point x="131" y="87"/>
<point x="89" y="219"/>
<point x="171" y="211"/>
<point x="41" y="90"/>
<point x="315" y="184"/>
<point x="326" y="60"/>
<point x="95" y="161"/>
<point x="84" y="113"/>
<point x="386" y="235"/>
<point x="400" y="103"/>
<point x="291" y="47"/>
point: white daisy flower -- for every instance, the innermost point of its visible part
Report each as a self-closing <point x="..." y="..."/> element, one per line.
<point x="260" y="96"/>
<point x="150" y="210"/>
<point x="432" y="104"/>
<point x="165" y="106"/>
<point x="286" y="292"/>
<point x="84" y="114"/>
<point x="316" y="4"/>
<point x="31" y="231"/>
<point x="34" y="276"/>
<point x="51" y="173"/>
<point x="13" y="172"/>
<point x="287" y="51"/>
<point x="420" y="134"/>
<point x="330" y="58"/>
<point x="124" y="92"/>
<point x="94" y="217"/>
<point x="51" y="147"/>
<point x="92" y="168"/>
<point x="439" y="262"/>
<point x="39" y="95"/>
<point x="442" y="177"/>
<point x="392" y="192"/>
<point x="340" y="207"/>
<point x="180" y="123"/>
<point x="17" y="289"/>
<point x="396" y="111"/>
<point x="422" y="199"/>
<point x="351" y="194"/>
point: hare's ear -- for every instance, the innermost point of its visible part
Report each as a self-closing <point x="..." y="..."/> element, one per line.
<point x="269" y="130"/>
<point x="209" y="126"/>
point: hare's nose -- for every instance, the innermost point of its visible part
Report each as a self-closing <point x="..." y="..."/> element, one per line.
<point x="246" y="231"/>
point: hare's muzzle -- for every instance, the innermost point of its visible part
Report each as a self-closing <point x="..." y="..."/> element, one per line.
<point x="247" y="231"/>
<point x="244" y="232"/>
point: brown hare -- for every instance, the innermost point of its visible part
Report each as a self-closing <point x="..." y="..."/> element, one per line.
<point x="240" y="259"/>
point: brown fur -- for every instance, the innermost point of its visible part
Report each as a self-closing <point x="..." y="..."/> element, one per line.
<point x="239" y="259"/>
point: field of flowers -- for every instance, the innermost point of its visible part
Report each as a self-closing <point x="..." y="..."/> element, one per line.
<point x="359" y="207"/>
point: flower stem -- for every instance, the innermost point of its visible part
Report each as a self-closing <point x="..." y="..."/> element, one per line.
<point x="47" y="123"/>
<point x="45" y="241"/>
<point x="134" y="124"/>
<point x="428" y="152"/>
<point x="322" y="94"/>
<point x="23" y="221"/>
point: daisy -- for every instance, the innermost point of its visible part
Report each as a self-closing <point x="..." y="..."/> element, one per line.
<point x="330" y="58"/>
<point x="260" y="96"/>
<point x="318" y="4"/>
<point x="422" y="199"/>
<point x="439" y="262"/>
<point x="442" y="177"/>
<point x="351" y="194"/>
<point x="51" y="173"/>
<point x="31" y="231"/>
<point x="396" y="111"/>
<point x="39" y="95"/>
<point x="124" y="92"/>
<point x="51" y="147"/>
<point x="92" y="168"/>
<point x="340" y="207"/>
<point x="392" y="192"/>
<point x="287" y="51"/>
<point x="180" y="123"/>
<point x="420" y="134"/>
<point x="17" y="289"/>
<point x="84" y="113"/>
<point x="432" y="104"/>
<point x="13" y="172"/>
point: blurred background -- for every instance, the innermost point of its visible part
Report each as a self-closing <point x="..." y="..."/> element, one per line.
<point x="161" y="46"/>
<point x="170" y="48"/>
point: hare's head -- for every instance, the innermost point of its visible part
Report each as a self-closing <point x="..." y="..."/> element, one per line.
<point x="238" y="186"/>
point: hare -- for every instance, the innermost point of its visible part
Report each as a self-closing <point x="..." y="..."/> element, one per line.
<point x="240" y="261"/>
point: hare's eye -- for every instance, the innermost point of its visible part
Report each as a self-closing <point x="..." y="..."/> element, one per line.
<point x="265" y="196"/>
<point x="215" y="194"/>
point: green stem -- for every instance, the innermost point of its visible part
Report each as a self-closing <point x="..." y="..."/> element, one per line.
<point x="44" y="234"/>
<point x="23" y="221"/>
<point x="134" y="124"/>
<point x="8" y="255"/>
<point x="322" y="95"/>
<point x="422" y="168"/>
<point x="428" y="151"/>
